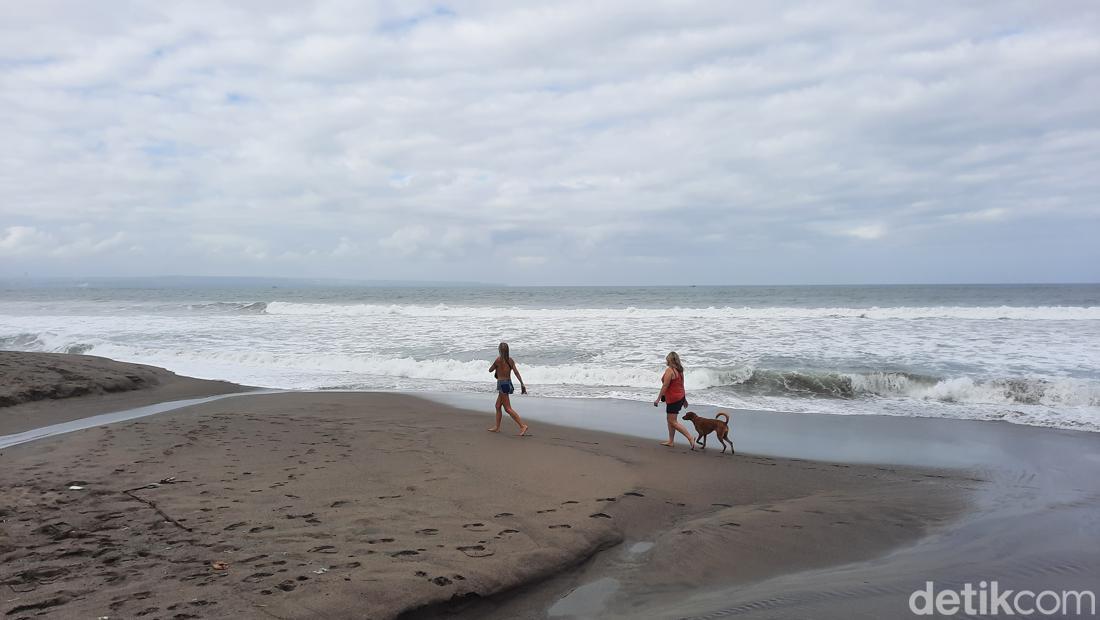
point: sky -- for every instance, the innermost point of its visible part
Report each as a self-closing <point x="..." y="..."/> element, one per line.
<point x="612" y="142"/>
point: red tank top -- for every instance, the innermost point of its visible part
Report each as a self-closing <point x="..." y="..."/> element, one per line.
<point x="675" y="391"/>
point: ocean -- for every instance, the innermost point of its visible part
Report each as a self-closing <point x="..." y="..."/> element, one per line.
<point x="1026" y="354"/>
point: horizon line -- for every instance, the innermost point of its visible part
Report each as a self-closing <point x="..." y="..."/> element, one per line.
<point x="475" y="283"/>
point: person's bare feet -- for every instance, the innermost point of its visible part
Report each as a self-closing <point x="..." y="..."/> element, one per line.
<point x="523" y="430"/>
<point x="493" y="430"/>
<point x="666" y="443"/>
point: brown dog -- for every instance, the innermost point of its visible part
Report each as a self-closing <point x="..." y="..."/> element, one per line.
<point x="706" y="426"/>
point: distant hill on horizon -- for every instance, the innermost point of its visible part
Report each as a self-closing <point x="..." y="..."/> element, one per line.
<point x="176" y="281"/>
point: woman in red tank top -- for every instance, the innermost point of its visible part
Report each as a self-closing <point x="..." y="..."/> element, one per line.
<point x="675" y="397"/>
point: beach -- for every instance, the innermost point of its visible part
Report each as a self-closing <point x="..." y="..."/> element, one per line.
<point x="374" y="505"/>
<point x="411" y="310"/>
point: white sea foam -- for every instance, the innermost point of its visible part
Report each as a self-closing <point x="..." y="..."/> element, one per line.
<point x="1033" y="313"/>
<point x="1047" y="391"/>
<point x="1028" y="364"/>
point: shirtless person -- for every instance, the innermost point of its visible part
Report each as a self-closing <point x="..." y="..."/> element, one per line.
<point x="502" y="367"/>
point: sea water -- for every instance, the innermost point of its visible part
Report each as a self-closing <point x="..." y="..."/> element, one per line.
<point x="1021" y="353"/>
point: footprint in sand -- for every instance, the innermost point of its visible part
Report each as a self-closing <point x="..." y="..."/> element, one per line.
<point x="236" y="525"/>
<point x="503" y="532"/>
<point x="600" y="515"/>
<point x="634" y="494"/>
<point x="403" y="552"/>
<point x="256" y="577"/>
<point x="547" y="510"/>
<point x="338" y="503"/>
<point x="475" y="551"/>
<point x="569" y="502"/>
<point x="560" y="526"/>
<point x="428" y="531"/>
<point x="442" y="581"/>
<point x="502" y="514"/>
<point x="375" y="541"/>
<point x="323" y="549"/>
<point x="475" y="527"/>
<point x="606" y="499"/>
<point x="732" y="524"/>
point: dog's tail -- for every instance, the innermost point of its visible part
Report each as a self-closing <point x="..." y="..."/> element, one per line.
<point x="722" y="414"/>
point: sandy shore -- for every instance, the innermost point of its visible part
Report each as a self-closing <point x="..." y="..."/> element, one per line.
<point x="343" y="505"/>
<point x="31" y="384"/>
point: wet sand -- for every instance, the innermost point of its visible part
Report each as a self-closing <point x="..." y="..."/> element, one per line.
<point x="352" y="505"/>
<point x="1031" y="522"/>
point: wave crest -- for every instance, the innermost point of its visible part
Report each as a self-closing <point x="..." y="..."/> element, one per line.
<point x="230" y="307"/>
<point x="743" y="380"/>
<point x="1028" y="313"/>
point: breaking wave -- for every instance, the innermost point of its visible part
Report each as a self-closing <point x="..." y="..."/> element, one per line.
<point x="741" y="380"/>
<point x="40" y="342"/>
<point x="1024" y="391"/>
<point x="230" y="307"/>
<point x="1027" y="313"/>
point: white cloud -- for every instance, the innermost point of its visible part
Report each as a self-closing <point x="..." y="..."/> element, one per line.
<point x="984" y="215"/>
<point x="24" y="240"/>
<point x="301" y="134"/>
<point x="866" y="231"/>
<point x="89" y="246"/>
<point x="407" y="240"/>
<point x="231" y="244"/>
<point x="529" y="261"/>
<point x="78" y="242"/>
<point x="345" y="247"/>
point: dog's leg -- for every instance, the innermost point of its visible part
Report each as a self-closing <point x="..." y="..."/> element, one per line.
<point x="705" y="440"/>
<point x="727" y="437"/>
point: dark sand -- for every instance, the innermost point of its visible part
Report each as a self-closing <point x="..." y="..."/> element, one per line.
<point x="369" y="505"/>
<point x="32" y="383"/>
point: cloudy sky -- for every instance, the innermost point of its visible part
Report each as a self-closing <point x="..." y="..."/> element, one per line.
<point x="572" y="142"/>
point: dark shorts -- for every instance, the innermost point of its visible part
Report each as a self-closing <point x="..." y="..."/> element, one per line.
<point x="505" y="387"/>
<point x="674" y="408"/>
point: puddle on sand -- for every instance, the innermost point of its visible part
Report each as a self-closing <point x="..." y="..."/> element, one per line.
<point x="586" y="601"/>
<point x="639" y="547"/>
